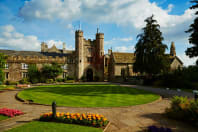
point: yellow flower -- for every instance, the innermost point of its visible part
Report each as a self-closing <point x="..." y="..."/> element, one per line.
<point x="104" y="119"/>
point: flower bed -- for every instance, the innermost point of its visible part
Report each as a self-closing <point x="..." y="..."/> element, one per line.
<point x="183" y="109"/>
<point x="10" y="112"/>
<point x="95" y="120"/>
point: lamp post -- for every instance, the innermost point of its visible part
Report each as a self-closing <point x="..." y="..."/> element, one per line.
<point x="54" y="110"/>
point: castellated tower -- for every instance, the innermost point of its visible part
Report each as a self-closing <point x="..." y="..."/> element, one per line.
<point x="44" y="47"/>
<point x="100" y="53"/>
<point x="172" y="49"/>
<point x="79" y="54"/>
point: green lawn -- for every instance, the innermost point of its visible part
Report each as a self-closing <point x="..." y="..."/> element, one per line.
<point x="3" y="117"/>
<point x="88" y="95"/>
<point x="37" y="126"/>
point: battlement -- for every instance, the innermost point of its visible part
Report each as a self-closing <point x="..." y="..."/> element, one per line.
<point x="100" y="36"/>
<point x="36" y="59"/>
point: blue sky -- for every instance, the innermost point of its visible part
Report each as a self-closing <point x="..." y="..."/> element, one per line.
<point x="25" y="24"/>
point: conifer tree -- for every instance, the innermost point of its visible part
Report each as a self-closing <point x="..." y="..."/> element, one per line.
<point x="150" y="51"/>
<point x="193" y="38"/>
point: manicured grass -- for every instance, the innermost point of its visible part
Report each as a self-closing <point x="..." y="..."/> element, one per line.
<point x="3" y="117"/>
<point x="88" y="95"/>
<point x="37" y="126"/>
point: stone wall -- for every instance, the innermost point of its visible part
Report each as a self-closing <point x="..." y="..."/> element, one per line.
<point x="15" y="70"/>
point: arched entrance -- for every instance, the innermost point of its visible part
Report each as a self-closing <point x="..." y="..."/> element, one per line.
<point x="89" y="75"/>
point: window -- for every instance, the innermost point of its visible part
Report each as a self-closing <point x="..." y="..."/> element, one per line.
<point x="6" y="75"/>
<point x="24" y="74"/>
<point x="89" y="59"/>
<point x="64" y="67"/>
<point x="70" y="61"/>
<point x="24" y="66"/>
<point x="6" y="66"/>
<point x="64" y="74"/>
<point x="105" y="62"/>
<point x="90" y="50"/>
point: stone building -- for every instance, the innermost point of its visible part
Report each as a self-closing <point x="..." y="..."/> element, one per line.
<point x="87" y="62"/>
<point x="119" y="65"/>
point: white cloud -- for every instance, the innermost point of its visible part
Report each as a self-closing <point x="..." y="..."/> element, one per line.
<point x="121" y="12"/>
<point x="118" y="40"/>
<point x="170" y="7"/>
<point x="111" y="11"/>
<point x="124" y="49"/>
<point x="186" y="60"/>
<point x="11" y="39"/>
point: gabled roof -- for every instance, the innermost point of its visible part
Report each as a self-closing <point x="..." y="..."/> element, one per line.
<point x="172" y="58"/>
<point x="120" y="57"/>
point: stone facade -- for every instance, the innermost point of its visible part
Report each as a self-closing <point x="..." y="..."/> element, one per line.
<point x="120" y="65"/>
<point x="87" y="62"/>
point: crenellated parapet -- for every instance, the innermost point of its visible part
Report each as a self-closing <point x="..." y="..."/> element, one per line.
<point x="36" y="59"/>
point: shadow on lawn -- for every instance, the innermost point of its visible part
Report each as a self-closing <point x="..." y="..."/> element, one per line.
<point x="87" y="90"/>
<point x="163" y="121"/>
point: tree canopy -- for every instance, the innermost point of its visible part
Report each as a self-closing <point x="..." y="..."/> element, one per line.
<point x="193" y="38"/>
<point x="51" y="71"/>
<point x="2" y="66"/>
<point x="150" y="51"/>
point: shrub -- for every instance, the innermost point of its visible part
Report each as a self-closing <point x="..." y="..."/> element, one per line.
<point x="10" y="112"/>
<point x="24" y="81"/>
<point x="33" y="74"/>
<point x="95" y="120"/>
<point x="69" y="81"/>
<point x="11" y="82"/>
<point x="59" y="80"/>
<point x="49" y="81"/>
<point x="183" y="109"/>
<point x="70" y="78"/>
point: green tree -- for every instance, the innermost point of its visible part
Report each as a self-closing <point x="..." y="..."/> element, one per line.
<point x="2" y="66"/>
<point x="33" y="74"/>
<point x="193" y="38"/>
<point x="51" y="71"/>
<point x="150" y="51"/>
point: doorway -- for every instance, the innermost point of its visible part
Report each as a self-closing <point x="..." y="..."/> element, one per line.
<point x="89" y="75"/>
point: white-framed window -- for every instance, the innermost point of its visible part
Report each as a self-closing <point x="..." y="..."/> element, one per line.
<point x="6" y="66"/>
<point x="64" y="67"/>
<point x="24" y="66"/>
<point x="24" y="74"/>
<point x="64" y="74"/>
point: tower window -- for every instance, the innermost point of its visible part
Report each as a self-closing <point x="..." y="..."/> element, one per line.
<point x="89" y="59"/>
<point x="105" y="62"/>
<point x="6" y="75"/>
<point x="90" y="50"/>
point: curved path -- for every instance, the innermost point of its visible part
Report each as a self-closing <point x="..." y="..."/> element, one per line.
<point x="126" y="119"/>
